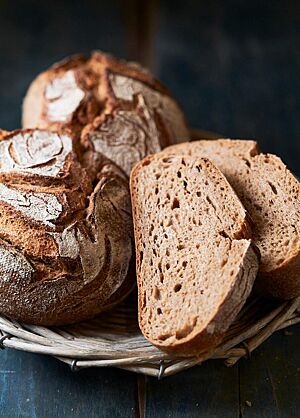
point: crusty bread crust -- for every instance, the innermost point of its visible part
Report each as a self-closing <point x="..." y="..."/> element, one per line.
<point x="283" y="282"/>
<point x="116" y="107"/>
<point x="65" y="230"/>
<point x="198" y="339"/>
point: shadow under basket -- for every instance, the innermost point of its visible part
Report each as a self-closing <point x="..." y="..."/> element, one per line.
<point x="114" y="338"/>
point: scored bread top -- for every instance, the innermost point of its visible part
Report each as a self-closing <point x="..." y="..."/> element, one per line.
<point x="271" y="194"/>
<point x="118" y="108"/>
<point x="65" y="229"/>
<point x="195" y="263"/>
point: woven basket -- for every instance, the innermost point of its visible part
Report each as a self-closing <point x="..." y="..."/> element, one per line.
<point x="114" y="338"/>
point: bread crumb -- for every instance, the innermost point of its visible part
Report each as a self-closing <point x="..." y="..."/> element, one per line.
<point x="248" y="403"/>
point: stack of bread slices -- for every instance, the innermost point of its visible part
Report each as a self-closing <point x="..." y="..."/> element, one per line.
<point x="213" y="220"/>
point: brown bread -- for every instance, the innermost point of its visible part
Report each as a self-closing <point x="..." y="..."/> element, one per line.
<point x="195" y="262"/>
<point x="65" y="230"/>
<point x="116" y="107"/>
<point x="271" y="194"/>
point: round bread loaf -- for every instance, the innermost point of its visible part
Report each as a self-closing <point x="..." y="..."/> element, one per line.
<point x="115" y="107"/>
<point x="65" y="229"/>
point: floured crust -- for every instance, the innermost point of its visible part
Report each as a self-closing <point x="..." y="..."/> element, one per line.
<point x="271" y="194"/>
<point x="65" y="230"/>
<point x="116" y="106"/>
<point x="179" y="253"/>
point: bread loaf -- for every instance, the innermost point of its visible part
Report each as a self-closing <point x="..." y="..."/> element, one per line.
<point x="65" y="229"/>
<point x="271" y="194"/>
<point x="116" y="107"/>
<point x="195" y="262"/>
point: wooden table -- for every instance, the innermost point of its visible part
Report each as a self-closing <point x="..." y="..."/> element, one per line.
<point x="235" y="69"/>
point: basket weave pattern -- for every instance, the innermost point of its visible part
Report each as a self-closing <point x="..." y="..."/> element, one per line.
<point x="114" y="338"/>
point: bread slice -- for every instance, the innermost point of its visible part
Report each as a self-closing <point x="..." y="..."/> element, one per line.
<point x="195" y="262"/>
<point x="271" y="195"/>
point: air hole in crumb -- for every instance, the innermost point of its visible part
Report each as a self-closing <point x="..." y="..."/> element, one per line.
<point x="184" y="184"/>
<point x="274" y="190"/>
<point x="168" y="196"/>
<point x="169" y="223"/>
<point x="247" y="162"/>
<point x="198" y="194"/>
<point x="167" y="252"/>
<point x="177" y="287"/>
<point x="175" y="204"/>
<point x="156" y="190"/>
<point x="147" y="162"/>
<point x="210" y="202"/>
<point x="161" y="277"/>
<point x="198" y="168"/>
<point x="223" y="263"/>
<point x="183" y="162"/>
<point x="168" y="266"/>
<point x="159" y="311"/>
<point x="157" y="175"/>
<point x="179" y="174"/>
<point x="157" y="294"/>
<point x="223" y="234"/>
<point x="167" y="160"/>
<point x="166" y="236"/>
<point x="141" y="257"/>
<point x="180" y="247"/>
<point x="184" y="264"/>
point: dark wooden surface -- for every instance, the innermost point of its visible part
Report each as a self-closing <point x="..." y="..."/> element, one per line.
<point x="235" y="68"/>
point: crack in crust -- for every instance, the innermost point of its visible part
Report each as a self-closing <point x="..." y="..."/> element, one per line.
<point x="34" y="152"/>
<point x="65" y="244"/>
<point x="116" y="106"/>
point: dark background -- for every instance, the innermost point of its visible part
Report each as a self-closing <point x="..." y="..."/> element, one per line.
<point x="234" y="66"/>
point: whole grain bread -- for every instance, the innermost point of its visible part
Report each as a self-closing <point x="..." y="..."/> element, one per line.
<point x="195" y="262"/>
<point x="65" y="230"/>
<point x="271" y="195"/>
<point x="116" y="107"/>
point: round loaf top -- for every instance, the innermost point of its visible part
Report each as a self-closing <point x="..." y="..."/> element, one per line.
<point x="65" y="229"/>
<point x="116" y="107"/>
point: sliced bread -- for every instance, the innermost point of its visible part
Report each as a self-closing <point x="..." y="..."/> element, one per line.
<point x="195" y="262"/>
<point x="271" y="195"/>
